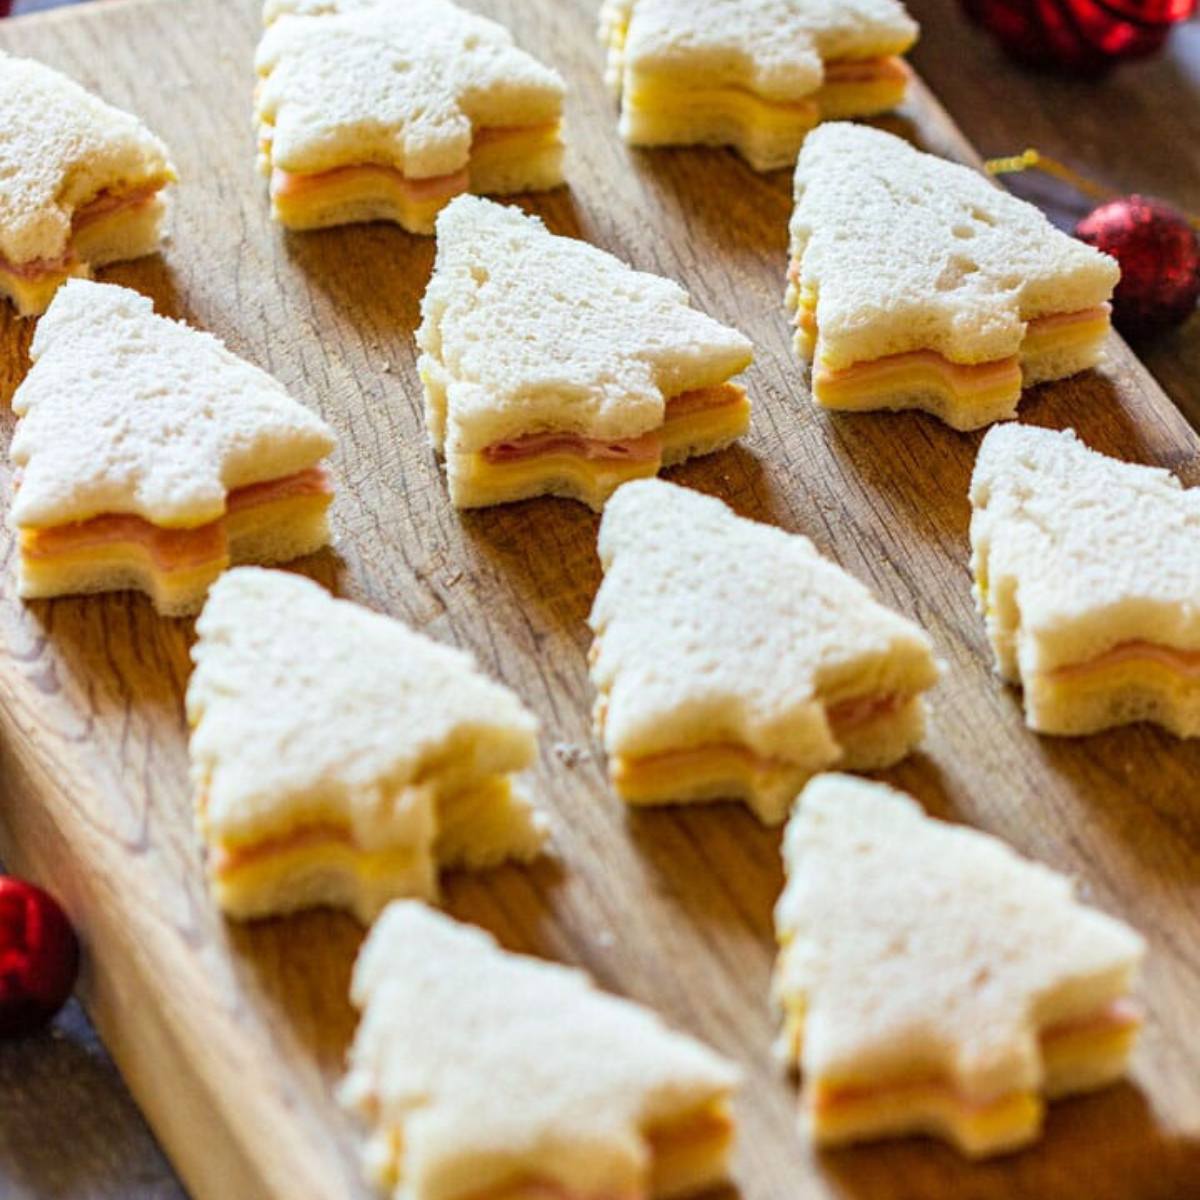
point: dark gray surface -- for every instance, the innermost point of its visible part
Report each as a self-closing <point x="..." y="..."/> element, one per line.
<point x="68" y="1128"/>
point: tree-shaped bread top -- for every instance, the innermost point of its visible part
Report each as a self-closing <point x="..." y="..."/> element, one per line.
<point x="776" y="48"/>
<point x="303" y="706"/>
<point x="906" y="251"/>
<point x="493" y="1067"/>
<point x="1082" y="551"/>
<point x="124" y="411"/>
<point x="401" y="84"/>
<point x="59" y="147"/>
<point x="710" y="628"/>
<point x="915" y="947"/>
<point x="529" y="332"/>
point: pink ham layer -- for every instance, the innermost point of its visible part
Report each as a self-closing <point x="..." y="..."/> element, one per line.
<point x="173" y="549"/>
<point x="1121" y="1014"/>
<point x="645" y="448"/>
<point x="289" y="184"/>
<point x="323" y="833"/>
<point x="1182" y="662"/>
<point x="439" y="187"/>
<point x="104" y="205"/>
<point x="861" y="710"/>
<point x="865" y="70"/>
<point x="965" y="375"/>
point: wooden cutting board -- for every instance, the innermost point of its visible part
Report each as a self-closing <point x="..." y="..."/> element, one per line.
<point x="231" y="1037"/>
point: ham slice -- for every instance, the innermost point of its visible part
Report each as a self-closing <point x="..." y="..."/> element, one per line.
<point x="171" y="549"/>
<point x="645" y="448"/>
<point x="288" y="186"/>
<point x="233" y="858"/>
<point x="105" y="204"/>
<point x="848" y="715"/>
<point x="865" y="70"/>
<point x="1118" y="1016"/>
<point x="1182" y="662"/>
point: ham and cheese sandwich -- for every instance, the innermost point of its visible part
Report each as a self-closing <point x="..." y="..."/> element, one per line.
<point x="916" y="283"/>
<point x="80" y="185"/>
<point x="149" y="457"/>
<point x="553" y="368"/>
<point x="933" y="981"/>
<point x="340" y="758"/>
<point x="386" y="109"/>
<point x="731" y="660"/>
<point x="1087" y="573"/>
<point x="753" y="74"/>
<point x="485" y="1075"/>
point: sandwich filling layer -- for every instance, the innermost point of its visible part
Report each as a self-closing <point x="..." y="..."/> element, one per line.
<point x="731" y="769"/>
<point x="1077" y="1055"/>
<point x="964" y="394"/>
<point x="695" y="422"/>
<point x="117" y="223"/>
<point x="264" y="522"/>
<point x="502" y="159"/>
<point x="688" y="1154"/>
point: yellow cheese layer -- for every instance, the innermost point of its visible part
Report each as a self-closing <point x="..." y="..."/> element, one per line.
<point x="704" y="430"/>
<point x="726" y="770"/>
<point x="1146" y="674"/>
<point x="285" y="526"/>
<point x="667" y="100"/>
<point x="1073" y="1060"/>
<point x="477" y="482"/>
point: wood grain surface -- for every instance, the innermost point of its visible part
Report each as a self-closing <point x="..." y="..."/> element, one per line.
<point x="231" y="1036"/>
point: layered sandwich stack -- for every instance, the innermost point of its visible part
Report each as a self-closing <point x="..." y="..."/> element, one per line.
<point x="150" y="457"/>
<point x="552" y="368"/>
<point x="81" y="184"/>
<point x="753" y="74"/>
<point x="374" y="110"/>
<point x="915" y="283"/>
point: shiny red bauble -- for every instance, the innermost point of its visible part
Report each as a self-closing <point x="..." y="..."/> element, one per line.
<point x="39" y="957"/>
<point x="1079" y="37"/>
<point x="1159" y="255"/>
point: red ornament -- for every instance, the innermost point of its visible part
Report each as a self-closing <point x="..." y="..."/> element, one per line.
<point x="39" y="957"/>
<point x="1079" y="37"/>
<point x="1159" y="255"/>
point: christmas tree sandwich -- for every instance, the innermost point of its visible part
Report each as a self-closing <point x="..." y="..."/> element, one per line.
<point x="80" y="186"/>
<point x="376" y="110"/>
<point x="552" y="368"/>
<point x="486" y="1075"/>
<point x="340" y="758"/>
<point x="915" y="283"/>
<point x="150" y="457"/>
<point x="933" y="981"/>
<point x="732" y="661"/>
<point x="753" y="74"/>
<point x="1087" y="572"/>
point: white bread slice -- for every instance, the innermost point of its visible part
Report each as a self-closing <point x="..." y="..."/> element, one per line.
<point x="311" y="712"/>
<point x="913" y="950"/>
<point x="400" y="84"/>
<point x="900" y="251"/>
<point x="711" y="629"/>
<point x="478" y="1070"/>
<point x="773" y="50"/>
<point x="62" y="146"/>
<point x="1075" y="554"/>
<point x="124" y="411"/>
<point x="524" y="332"/>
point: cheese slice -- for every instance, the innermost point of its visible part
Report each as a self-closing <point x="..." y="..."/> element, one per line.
<point x="273" y="521"/>
<point x="701" y="421"/>
<point x="377" y="191"/>
<point x="1077" y="1056"/>
<point x="964" y="395"/>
